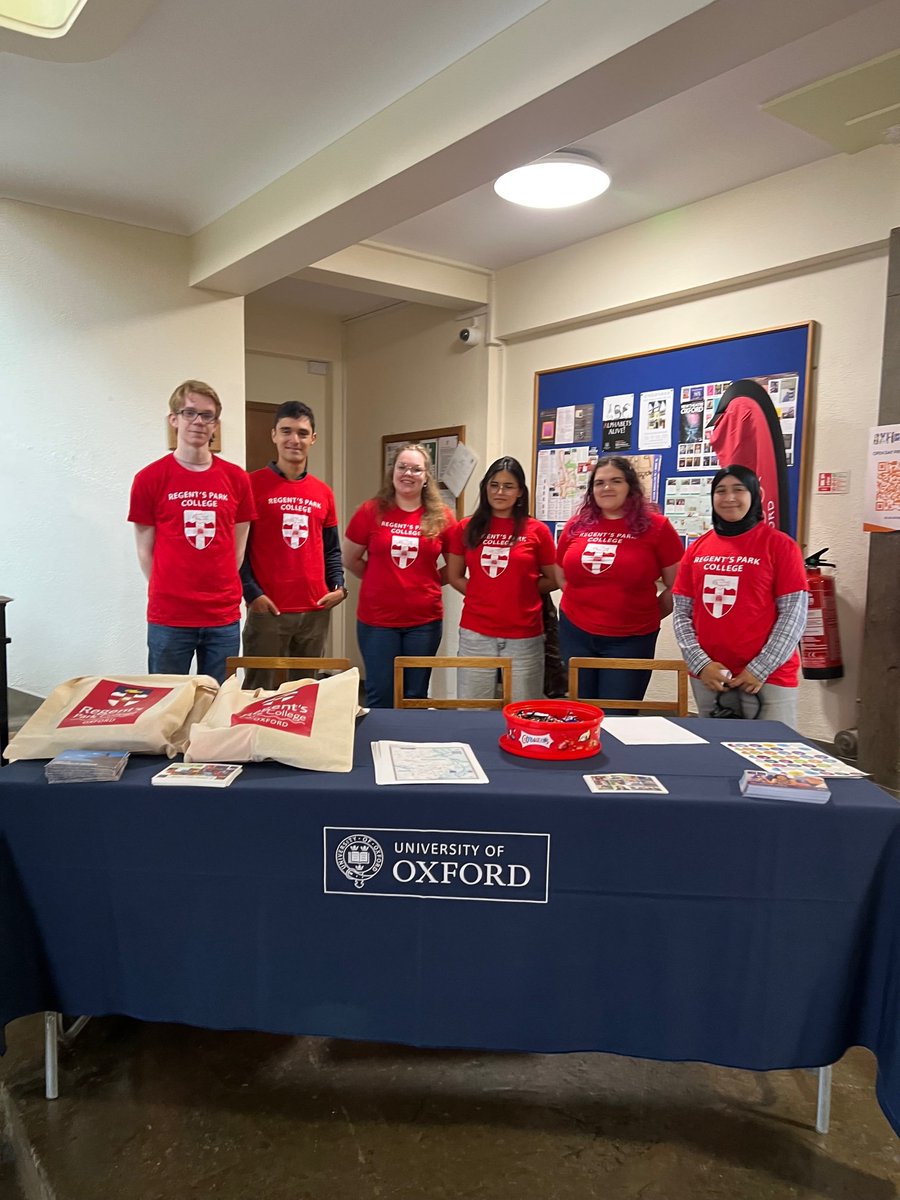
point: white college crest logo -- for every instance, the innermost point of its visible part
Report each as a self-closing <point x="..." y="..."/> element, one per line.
<point x="360" y="858"/>
<point x="295" y="528"/>
<point x="404" y="550"/>
<point x="719" y="593"/>
<point x="598" y="556"/>
<point x="199" y="526"/>
<point x="494" y="560"/>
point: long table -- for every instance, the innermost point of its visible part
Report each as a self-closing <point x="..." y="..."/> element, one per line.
<point x="525" y="914"/>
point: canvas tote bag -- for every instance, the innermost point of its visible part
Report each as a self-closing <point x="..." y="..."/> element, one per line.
<point x="307" y="723"/>
<point x="144" y="714"/>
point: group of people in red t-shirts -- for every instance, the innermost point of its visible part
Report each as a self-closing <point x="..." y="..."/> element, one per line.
<point x="739" y="593"/>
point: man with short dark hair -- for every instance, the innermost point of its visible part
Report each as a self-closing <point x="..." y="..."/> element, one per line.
<point x="191" y="512"/>
<point x="292" y="575"/>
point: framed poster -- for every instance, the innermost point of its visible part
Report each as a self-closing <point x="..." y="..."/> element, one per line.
<point x="666" y="410"/>
<point x="440" y="444"/>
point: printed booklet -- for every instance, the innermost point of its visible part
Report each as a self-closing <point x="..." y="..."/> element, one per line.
<point x="785" y="785"/>
<point x="625" y="783"/>
<point x="197" y="775"/>
<point x="86" y="766"/>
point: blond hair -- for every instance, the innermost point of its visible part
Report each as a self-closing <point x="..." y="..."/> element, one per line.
<point x="179" y="397"/>
<point x="434" y="518"/>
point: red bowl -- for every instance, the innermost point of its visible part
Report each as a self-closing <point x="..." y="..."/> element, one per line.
<point x="555" y="739"/>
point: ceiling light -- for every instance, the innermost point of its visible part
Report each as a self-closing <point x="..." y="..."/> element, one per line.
<point x="558" y="180"/>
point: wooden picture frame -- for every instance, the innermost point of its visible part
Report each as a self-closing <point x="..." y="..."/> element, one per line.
<point x="440" y="444"/>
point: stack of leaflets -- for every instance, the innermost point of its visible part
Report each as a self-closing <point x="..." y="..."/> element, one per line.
<point x="86" y="766"/>
<point x="197" y="775"/>
<point x="785" y="785"/>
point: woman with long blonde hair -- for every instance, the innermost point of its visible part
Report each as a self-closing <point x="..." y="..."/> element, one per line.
<point x="393" y="543"/>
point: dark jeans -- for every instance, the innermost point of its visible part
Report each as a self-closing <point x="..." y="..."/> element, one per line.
<point x="379" y="647"/>
<point x="607" y="685"/>
<point x="171" y="648"/>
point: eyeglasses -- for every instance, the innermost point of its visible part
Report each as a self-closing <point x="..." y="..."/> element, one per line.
<point x="405" y="469"/>
<point x="503" y="487"/>
<point x="191" y="415"/>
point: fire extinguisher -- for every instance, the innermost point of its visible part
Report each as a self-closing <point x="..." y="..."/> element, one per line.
<point x="820" y="646"/>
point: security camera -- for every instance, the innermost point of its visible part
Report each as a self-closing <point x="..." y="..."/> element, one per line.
<point x="470" y="335"/>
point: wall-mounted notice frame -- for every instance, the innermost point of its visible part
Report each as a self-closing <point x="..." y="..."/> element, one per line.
<point x="655" y="408"/>
<point x="440" y="444"/>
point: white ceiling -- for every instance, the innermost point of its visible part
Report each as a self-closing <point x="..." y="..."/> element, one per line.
<point x="208" y="102"/>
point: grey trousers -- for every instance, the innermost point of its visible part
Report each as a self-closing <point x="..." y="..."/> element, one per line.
<point x="778" y="703"/>
<point x="289" y="635"/>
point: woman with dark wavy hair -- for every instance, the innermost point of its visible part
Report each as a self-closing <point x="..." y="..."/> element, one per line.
<point x="611" y="555"/>
<point x="501" y="560"/>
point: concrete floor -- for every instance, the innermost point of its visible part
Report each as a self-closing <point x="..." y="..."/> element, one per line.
<point x="164" y="1112"/>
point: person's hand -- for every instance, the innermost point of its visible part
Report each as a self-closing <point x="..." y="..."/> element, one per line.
<point x="262" y="604"/>
<point x="331" y="599"/>
<point x="716" y="677"/>
<point x="746" y="682"/>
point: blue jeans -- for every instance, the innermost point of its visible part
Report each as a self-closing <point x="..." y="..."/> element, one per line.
<point x="607" y="685"/>
<point x="172" y="647"/>
<point x="380" y="645"/>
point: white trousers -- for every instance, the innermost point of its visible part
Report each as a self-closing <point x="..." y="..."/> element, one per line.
<point x="527" y="656"/>
<point x="778" y="703"/>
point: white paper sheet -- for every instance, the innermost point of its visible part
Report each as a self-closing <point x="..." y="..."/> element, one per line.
<point x="650" y="731"/>
<point x="426" y="762"/>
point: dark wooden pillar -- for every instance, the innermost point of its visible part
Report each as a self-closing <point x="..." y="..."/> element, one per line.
<point x="4" y="681"/>
<point x="879" y="682"/>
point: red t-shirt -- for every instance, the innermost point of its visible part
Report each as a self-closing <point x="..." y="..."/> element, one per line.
<point x="502" y="599"/>
<point x="285" y="547"/>
<point x="401" y="585"/>
<point x="611" y="574"/>
<point x="734" y="582"/>
<point x="194" y="580"/>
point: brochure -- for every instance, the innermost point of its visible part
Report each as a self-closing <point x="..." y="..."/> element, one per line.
<point x="86" y="766"/>
<point x="197" y="775"/>
<point x="426" y="762"/>
<point x="785" y="785"/>
<point x="625" y="783"/>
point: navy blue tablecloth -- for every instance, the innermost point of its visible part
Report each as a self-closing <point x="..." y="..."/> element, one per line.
<point x="694" y="925"/>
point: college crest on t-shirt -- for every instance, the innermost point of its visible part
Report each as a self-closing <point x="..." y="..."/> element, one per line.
<point x="404" y="550"/>
<point x="199" y="526"/>
<point x="494" y="560"/>
<point x="295" y="528"/>
<point x="598" y="556"/>
<point x="719" y="593"/>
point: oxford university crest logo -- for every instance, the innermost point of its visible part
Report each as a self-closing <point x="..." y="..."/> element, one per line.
<point x="359" y="858"/>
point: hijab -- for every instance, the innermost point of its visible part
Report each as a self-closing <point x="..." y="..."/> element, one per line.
<point x="754" y="513"/>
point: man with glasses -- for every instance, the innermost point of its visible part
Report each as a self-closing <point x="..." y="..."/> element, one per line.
<point x="191" y="512"/>
<point x="293" y="575"/>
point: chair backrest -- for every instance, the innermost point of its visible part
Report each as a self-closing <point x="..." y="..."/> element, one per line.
<point x="679" y="706"/>
<point x="503" y="665"/>
<point x="283" y="665"/>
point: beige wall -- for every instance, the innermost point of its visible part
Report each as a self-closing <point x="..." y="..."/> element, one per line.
<point x="97" y="327"/>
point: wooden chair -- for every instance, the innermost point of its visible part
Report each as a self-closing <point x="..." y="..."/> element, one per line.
<point x="678" y="706"/>
<point x="503" y="665"/>
<point x="281" y="666"/>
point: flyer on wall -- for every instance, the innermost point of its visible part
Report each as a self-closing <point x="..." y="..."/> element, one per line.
<point x="655" y="421"/>
<point x="882" y="503"/>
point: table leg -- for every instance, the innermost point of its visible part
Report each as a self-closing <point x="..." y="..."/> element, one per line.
<point x="51" y="1056"/>
<point x="823" y="1105"/>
